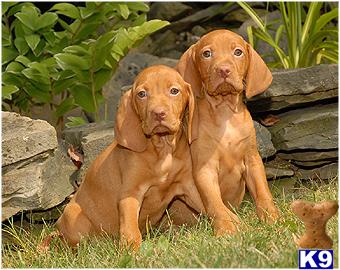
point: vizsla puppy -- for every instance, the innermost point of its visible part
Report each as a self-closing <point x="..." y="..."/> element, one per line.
<point x="149" y="163"/>
<point x="220" y="67"/>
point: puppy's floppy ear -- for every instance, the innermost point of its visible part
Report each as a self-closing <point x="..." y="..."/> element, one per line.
<point x="186" y="66"/>
<point x="258" y="76"/>
<point x="128" y="127"/>
<point x="193" y="115"/>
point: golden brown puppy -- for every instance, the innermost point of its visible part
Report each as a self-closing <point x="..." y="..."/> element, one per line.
<point x="220" y="67"/>
<point x="147" y="165"/>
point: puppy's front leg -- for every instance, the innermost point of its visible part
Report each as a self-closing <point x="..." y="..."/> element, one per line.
<point x="224" y="221"/>
<point x="257" y="185"/>
<point x="129" y="207"/>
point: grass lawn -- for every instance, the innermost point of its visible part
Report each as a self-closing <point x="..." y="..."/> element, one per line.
<point x="257" y="245"/>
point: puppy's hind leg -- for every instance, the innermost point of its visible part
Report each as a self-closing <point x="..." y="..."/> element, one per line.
<point x="73" y="224"/>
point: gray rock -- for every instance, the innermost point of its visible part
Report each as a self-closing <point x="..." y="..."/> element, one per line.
<point x="48" y="215"/>
<point x="128" y="69"/>
<point x="310" y="128"/>
<point x="293" y="87"/>
<point x="23" y="137"/>
<point x="202" y="15"/>
<point x="38" y="183"/>
<point x="283" y="185"/>
<point x="325" y="172"/>
<point x="168" y="11"/>
<point x="315" y="163"/>
<point x="35" y="171"/>
<point x="310" y="155"/>
<point x="91" y="139"/>
<point x="263" y="139"/>
<point x="278" y="168"/>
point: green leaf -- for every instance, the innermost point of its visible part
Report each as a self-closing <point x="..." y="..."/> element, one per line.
<point x="6" y="36"/>
<point x="50" y="37"/>
<point x="39" y="91"/>
<point x="83" y="97"/>
<point x="6" y="5"/>
<point x="65" y="106"/>
<point x="14" y="67"/>
<point x="32" y="41"/>
<point x="36" y="75"/>
<point x="62" y="85"/>
<point x="124" y="11"/>
<point x="8" y="54"/>
<point x="325" y="19"/>
<point x="8" y="90"/>
<point x="18" y="7"/>
<point x="67" y="9"/>
<point x="12" y="78"/>
<point x="29" y="17"/>
<point x="76" y="49"/>
<point x="47" y="19"/>
<point x="75" y="121"/>
<point x="101" y="77"/>
<point x="23" y="60"/>
<point x="71" y="62"/>
<point x="138" y="6"/>
<point x="21" y="45"/>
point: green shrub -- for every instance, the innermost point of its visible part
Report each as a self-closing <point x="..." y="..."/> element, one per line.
<point x="311" y="37"/>
<point x="64" y="56"/>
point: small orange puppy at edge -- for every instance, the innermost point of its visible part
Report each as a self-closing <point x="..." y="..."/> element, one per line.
<point x="135" y="178"/>
<point x="220" y="67"/>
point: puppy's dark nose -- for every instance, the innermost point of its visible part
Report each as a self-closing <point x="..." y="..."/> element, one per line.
<point x="159" y="114"/>
<point x="224" y="71"/>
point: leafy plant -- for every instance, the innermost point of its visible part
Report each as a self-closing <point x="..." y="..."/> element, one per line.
<point x="64" y="56"/>
<point x="310" y="36"/>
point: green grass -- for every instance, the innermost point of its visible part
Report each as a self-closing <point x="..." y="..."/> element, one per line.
<point x="257" y="245"/>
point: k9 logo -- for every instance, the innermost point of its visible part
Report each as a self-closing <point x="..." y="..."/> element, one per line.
<point x="315" y="259"/>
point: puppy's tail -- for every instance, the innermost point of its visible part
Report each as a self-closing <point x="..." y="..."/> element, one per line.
<point x="44" y="246"/>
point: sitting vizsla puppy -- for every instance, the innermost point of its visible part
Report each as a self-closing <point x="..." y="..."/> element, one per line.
<point x="148" y="164"/>
<point x="220" y="67"/>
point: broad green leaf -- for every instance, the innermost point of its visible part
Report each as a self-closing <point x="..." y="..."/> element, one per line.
<point x="75" y="121"/>
<point x="32" y="41"/>
<point x="138" y="6"/>
<point x="66" y="26"/>
<point x="67" y="9"/>
<point x="6" y="5"/>
<point x="8" y="90"/>
<point x="29" y="17"/>
<point x="21" y="44"/>
<point x="18" y="7"/>
<point x="23" y="60"/>
<point x="86" y="31"/>
<point x="39" y="67"/>
<point x="8" y="54"/>
<point x="65" y="106"/>
<point x="12" y="78"/>
<point x="6" y="36"/>
<point x="14" y="67"/>
<point x="72" y="62"/>
<point x="62" y="85"/>
<point x="153" y="26"/>
<point x="36" y="75"/>
<point x="101" y="78"/>
<point x="124" y="11"/>
<point x="76" y="49"/>
<point x="83" y="97"/>
<point x="39" y="91"/>
<point x="50" y="37"/>
<point x="47" y="19"/>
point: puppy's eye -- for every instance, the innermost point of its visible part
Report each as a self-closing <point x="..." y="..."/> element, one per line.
<point x="238" y="52"/>
<point x="142" y="94"/>
<point x="174" y="91"/>
<point x="207" y="54"/>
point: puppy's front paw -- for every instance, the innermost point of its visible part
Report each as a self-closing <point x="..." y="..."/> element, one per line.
<point x="226" y="225"/>
<point x="131" y="239"/>
<point x="267" y="211"/>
